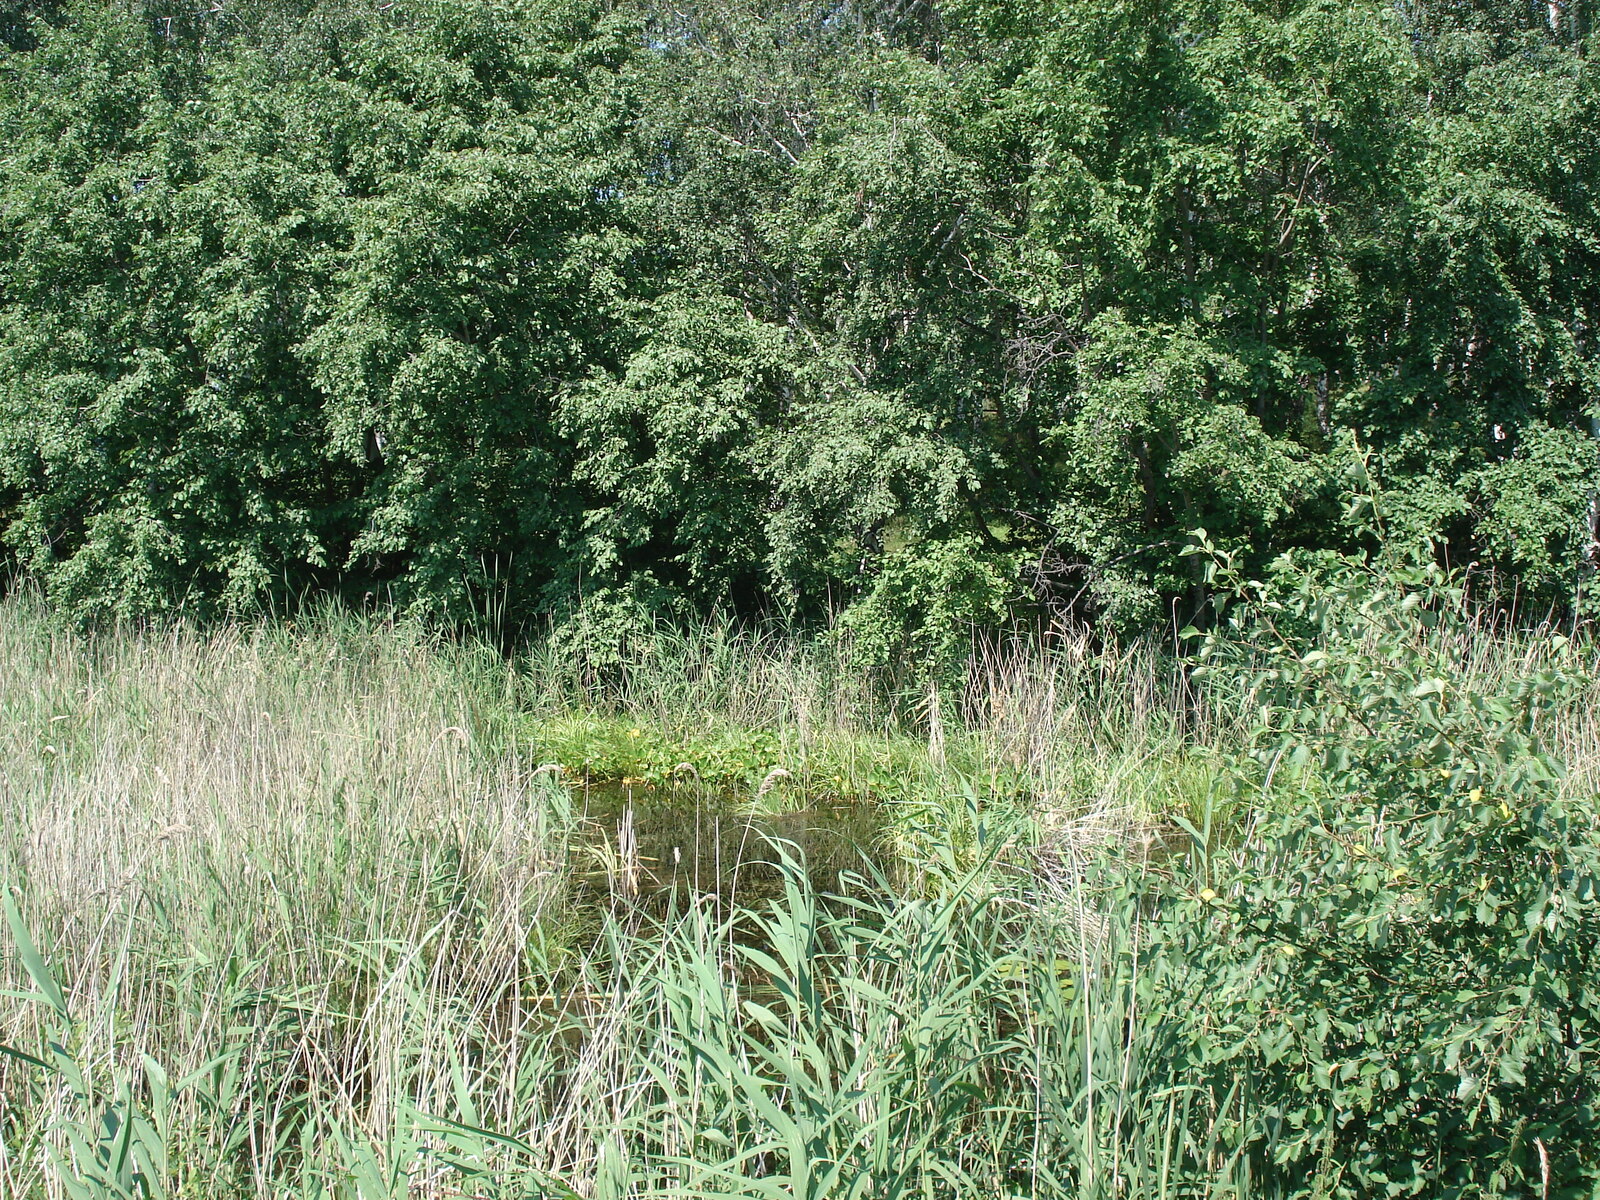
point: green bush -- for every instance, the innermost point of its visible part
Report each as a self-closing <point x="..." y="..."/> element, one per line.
<point x="917" y="621"/>
<point x="466" y="304"/>
<point x="1401" y="966"/>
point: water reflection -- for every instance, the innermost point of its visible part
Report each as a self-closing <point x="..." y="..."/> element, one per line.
<point x="645" y="844"/>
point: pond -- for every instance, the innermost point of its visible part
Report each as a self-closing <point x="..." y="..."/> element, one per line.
<point x="647" y="844"/>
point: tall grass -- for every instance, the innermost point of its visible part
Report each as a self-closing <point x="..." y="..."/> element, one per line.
<point x="1085" y="727"/>
<point x="250" y="828"/>
<point x="304" y="927"/>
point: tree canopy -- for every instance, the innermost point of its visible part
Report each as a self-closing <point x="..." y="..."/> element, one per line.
<point x="789" y="306"/>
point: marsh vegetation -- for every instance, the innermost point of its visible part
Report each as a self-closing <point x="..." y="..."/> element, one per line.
<point x="309" y="910"/>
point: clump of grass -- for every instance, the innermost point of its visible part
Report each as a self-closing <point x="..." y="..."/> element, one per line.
<point x="1071" y="728"/>
<point x="827" y="765"/>
<point x="893" y="1047"/>
<point x="247" y="826"/>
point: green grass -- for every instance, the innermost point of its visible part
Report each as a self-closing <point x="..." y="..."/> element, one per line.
<point x="291" y="915"/>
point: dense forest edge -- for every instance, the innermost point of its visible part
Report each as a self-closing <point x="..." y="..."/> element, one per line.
<point x="938" y="313"/>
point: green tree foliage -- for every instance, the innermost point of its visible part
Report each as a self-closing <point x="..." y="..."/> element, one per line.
<point x="752" y="304"/>
<point x="293" y="305"/>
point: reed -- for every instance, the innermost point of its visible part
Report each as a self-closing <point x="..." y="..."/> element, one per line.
<point x="290" y="914"/>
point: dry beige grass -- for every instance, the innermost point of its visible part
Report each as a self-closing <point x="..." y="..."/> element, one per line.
<point x="285" y="805"/>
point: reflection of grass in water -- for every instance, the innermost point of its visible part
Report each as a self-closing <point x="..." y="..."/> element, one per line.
<point x="688" y="841"/>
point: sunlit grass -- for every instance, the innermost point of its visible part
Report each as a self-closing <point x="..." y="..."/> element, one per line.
<point x="307" y="893"/>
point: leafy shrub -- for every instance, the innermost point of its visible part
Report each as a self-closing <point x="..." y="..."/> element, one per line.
<point x="596" y="638"/>
<point x="919" y="616"/>
<point x="1402" y="970"/>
